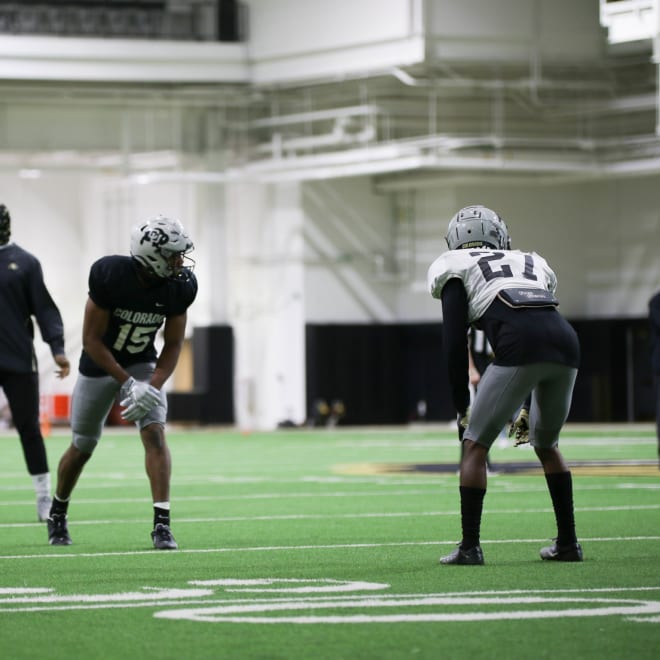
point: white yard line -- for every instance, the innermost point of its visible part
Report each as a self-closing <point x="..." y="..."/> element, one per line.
<point x="324" y="547"/>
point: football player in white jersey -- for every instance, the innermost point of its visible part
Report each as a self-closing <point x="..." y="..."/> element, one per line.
<point x="510" y="295"/>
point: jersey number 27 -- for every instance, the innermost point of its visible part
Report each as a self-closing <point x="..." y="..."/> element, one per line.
<point x="490" y="271"/>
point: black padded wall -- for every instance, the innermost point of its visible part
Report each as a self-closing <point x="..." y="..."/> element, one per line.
<point x="380" y="372"/>
<point x="213" y="373"/>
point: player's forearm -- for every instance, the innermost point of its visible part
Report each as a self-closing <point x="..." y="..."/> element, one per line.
<point x="166" y="363"/>
<point x="102" y="356"/>
<point x="455" y="349"/>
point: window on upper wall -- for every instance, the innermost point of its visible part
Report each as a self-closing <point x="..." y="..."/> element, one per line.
<point x="629" y="21"/>
<point x="181" y="20"/>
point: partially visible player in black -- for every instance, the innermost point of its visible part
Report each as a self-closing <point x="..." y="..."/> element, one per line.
<point x="23" y="295"/>
<point x="654" y="319"/>
<point x="508" y="294"/>
<point x="130" y="298"/>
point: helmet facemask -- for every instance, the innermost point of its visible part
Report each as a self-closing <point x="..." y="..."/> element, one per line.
<point x="179" y="264"/>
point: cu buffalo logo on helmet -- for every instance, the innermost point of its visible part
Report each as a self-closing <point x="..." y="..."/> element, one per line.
<point x="157" y="237"/>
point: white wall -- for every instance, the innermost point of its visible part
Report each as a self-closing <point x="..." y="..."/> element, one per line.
<point x="347" y="233"/>
<point x="271" y="257"/>
<point x="314" y="39"/>
<point x="69" y="220"/>
<point x="514" y="30"/>
<point x="601" y="238"/>
<point x="266" y="302"/>
<point x="46" y="221"/>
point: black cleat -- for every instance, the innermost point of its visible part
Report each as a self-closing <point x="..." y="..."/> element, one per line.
<point x="555" y="552"/>
<point x="58" y="533"/>
<point x="162" y="538"/>
<point x="472" y="557"/>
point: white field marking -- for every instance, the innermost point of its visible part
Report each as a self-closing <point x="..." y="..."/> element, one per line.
<point x="502" y="484"/>
<point x="262" y="586"/>
<point x="209" y="615"/>
<point x="287" y="548"/>
<point x="337" y="516"/>
<point x="21" y="591"/>
<point x="258" y="496"/>
<point x="654" y="486"/>
<point x="214" y="604"/>
<point x="153" y="594"/>
<point x="343" y="516"/>
<point x="312" y="585"/>
<point x="150" y="596"/>
<point x="591" y="607"/>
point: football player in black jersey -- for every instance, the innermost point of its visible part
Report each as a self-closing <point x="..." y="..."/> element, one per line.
<point x="24" y="295"/>
<point x="509" y="295"/>
<point x="130" y="298"/>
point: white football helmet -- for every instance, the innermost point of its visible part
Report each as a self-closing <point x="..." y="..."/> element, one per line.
<point x="477" y="226"/>
<point x="156" y="244"/>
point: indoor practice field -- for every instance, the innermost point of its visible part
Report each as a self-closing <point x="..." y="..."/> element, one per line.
<point x="324" y="543"/>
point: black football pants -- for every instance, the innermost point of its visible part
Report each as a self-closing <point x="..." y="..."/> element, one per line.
<point x="22" y="392"/>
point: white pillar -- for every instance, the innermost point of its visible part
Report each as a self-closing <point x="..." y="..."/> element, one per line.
<point x="266" y="302"/>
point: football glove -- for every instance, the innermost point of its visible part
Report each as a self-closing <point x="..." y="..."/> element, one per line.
<point x="520" y="428"/>
<point x="463" y="421"/>
<point x="138" y="398"/>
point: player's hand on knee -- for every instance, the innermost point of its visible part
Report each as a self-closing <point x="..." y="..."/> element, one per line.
<point x="519" y="429"/>
<point x="134" y="412"/>
<point x="138" y="398"/>
<point x="463" y="419"/>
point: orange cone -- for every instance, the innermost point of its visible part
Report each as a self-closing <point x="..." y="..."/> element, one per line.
<point x="44" y="418"/>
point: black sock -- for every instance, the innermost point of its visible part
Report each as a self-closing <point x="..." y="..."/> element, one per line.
<point x="161" y="516"/>
<point x="472" y="500"/>
<point x="59" y="507"/>
<point x="560" y="485"/>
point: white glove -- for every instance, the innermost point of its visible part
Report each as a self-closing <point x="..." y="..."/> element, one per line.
<point x="138" y="398"/>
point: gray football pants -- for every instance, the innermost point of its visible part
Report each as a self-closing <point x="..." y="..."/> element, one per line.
<point x="502" y="390"/>
<point x="92" y="400"/>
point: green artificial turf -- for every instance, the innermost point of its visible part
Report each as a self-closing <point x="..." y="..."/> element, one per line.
<point x="324" y="544"/>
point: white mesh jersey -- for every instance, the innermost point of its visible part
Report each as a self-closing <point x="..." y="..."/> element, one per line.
<point x="485" y="272"/>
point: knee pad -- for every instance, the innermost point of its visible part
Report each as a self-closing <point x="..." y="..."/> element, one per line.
<point x="85" y="443"/>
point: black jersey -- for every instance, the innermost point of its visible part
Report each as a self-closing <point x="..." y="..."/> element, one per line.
<point x="23" y="295"/>
<point x="136" y="311"/>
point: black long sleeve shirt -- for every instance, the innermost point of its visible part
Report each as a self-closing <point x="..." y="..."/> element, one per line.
<point x="23" y="295"/>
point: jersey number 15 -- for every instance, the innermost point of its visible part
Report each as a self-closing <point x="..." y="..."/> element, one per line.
<point x="134" y="338"/>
